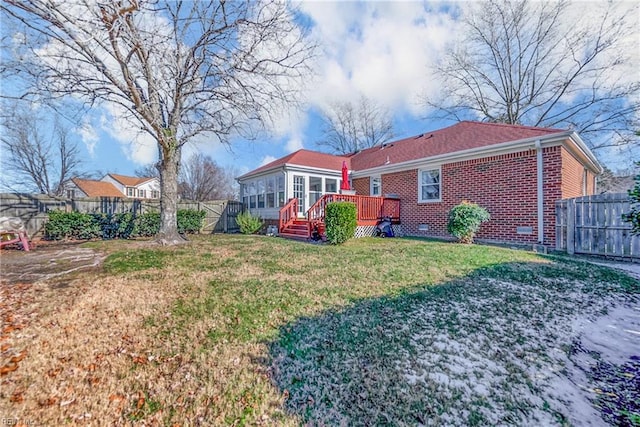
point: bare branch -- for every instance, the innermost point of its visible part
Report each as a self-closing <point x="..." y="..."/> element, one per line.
<point x="520" y="63"/>
<point x="348" y="128"/>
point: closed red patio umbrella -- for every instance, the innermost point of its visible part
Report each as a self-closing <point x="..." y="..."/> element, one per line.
<point x="345" y="177"/>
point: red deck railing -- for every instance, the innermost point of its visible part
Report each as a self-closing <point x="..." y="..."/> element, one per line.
<point x="288" y="214"/>
<point x="369" y="208"/>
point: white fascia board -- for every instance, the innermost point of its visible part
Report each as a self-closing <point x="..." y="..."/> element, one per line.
<point x="560" y="138"/>
<point x="585" y="153"/>
<point x="291" y="167"/>
<point x="311" y="170"/>
<point x="260" y="174"/>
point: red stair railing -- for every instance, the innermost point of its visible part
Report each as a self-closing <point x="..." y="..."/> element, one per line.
<point x="288" y="213"/>
<point x="369" y="208"/>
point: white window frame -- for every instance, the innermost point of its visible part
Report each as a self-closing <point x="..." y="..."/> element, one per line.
<point x="131" y="191"/>
<point x="372" y="180"/>
<point x="420" y="171"/>
<point x="335" y="185"/>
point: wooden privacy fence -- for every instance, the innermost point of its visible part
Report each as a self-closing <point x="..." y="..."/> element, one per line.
<point x="32" y="209"/>
<point x="593" y="225"/>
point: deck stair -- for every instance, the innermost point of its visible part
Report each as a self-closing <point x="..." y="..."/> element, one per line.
<point x="297" y="229"/>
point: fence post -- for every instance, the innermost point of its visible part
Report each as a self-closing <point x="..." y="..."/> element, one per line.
<point x="571" y="226"/>
<point x="225" y="216"/>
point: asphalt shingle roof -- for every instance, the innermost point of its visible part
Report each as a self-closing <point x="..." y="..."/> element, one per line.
<point x="94" y="188"/>
<point x="462" y="136"/>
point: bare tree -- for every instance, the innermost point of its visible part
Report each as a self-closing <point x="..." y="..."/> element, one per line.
<point x="523" y="62"/>
<point x="349" y="127"/>
<point x="176" y="70"/>
<point x="147" y="171"/>
<point x="202" y="179"/>
<point x="37" y="156"/>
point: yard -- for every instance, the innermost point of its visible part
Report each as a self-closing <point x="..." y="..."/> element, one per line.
<point x="238" y="330"/>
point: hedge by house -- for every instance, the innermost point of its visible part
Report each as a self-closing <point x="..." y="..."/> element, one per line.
<point x="341" y="220"/>
<point x="84" y="226"/>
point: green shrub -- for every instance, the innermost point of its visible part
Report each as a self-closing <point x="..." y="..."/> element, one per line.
<point x="465" y="219"/>
<point x="341" y="220"/>
<point x="634" y="214"/>
<point x="248" y="223"/>
<point x="190" y="221"/>
<point x="125" y="225"/>
<point x="84" y="226"/>
<point x="72" y="225"/>
<point x="147" y="224"/>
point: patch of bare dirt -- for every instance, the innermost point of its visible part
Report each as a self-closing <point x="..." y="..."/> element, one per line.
<point x="46" y="262"/>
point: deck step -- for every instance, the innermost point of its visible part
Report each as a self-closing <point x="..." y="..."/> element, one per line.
<point x="294" y="236"/>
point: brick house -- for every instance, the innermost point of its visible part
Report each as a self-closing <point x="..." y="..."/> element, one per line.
<point x="114" y="185"/>
<point x="516" y="172"/>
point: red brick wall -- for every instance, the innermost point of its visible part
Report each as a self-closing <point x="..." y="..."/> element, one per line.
<point x="361" y="185"/>
<point x="553" y="183"/>
<point x="505" y="185"/>
<point x="573" y="177"/>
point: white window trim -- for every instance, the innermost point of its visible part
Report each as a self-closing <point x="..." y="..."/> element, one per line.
<point x="439" y="199"/>
<point x="379" y="178"/>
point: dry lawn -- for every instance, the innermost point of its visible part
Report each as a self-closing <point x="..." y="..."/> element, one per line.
<point x="237" y="330"/>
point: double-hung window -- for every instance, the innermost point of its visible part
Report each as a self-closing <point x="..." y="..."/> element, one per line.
<point x="376" y="186"/>
<point x="280" y="189"/>
<point x="271" y="198"/>
<point x="429" y="185"/>
<point x="260" y="193"/>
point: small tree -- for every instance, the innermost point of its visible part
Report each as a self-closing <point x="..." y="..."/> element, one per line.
<point x="340" y="221"/>
<point x="248" y="223"/>
<point x="634" y="215"/>
<point x="465" y="219"/>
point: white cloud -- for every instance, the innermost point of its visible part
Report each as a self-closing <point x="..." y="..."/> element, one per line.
<point x="89" y="136"/>
<point x="266" y="160"/>
<point x="137" y="145"/>
<point x="382" y="50"/>
<point x="294" y="144"/>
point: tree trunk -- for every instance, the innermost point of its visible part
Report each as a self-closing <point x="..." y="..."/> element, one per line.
<point x="169" y="165"/>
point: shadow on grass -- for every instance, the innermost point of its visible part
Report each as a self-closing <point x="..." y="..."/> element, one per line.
<point x="473" y="351"/>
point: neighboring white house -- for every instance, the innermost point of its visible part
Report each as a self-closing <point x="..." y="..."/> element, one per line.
<point x="113" y="185"/>
<point x="305" y="175"/>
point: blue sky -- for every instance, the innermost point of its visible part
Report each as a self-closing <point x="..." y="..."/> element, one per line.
<point x="382" y="50"/>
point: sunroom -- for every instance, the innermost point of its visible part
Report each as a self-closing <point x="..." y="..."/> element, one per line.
<point x="304" y="175"/>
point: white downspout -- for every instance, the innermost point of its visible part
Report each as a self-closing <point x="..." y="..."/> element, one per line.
<point x="540" y="192"/>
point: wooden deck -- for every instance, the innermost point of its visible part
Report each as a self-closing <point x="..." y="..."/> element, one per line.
<point x="369" y="211"/>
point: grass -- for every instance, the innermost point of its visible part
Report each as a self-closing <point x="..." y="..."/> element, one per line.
<point x="250" y="330"/>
